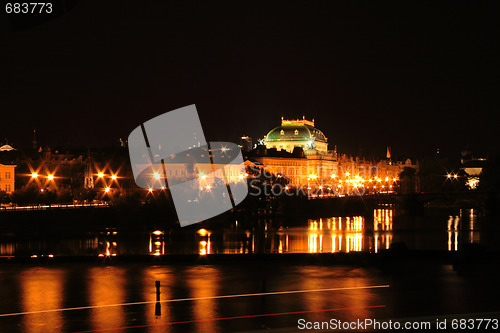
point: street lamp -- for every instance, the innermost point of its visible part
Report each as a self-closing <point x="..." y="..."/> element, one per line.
<point x="50" y="177"/>
<point x="107" y="189"/>
<point x="113" y="177"/>
<point x="100" y="174"/>
<point x="156" y="175"/>
<point x="34" y="175"/>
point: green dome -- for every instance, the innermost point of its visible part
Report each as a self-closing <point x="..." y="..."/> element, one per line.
<point x="295" y="132"/>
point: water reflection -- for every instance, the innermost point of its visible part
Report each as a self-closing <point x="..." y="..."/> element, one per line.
<point x="474" y="236"/>
<point x="346" y="234"/>
<point x="167" y="279"/>
<point x="204" y="247"/>
<point x="157" y="243"/>
<point x="463" y="228"/>
<point x="42" y="289"/>
<point x="107" y="286"/>
<point x="203" y="283"/>
<point x="324" y="235"/>
<point x="453" y="222"/>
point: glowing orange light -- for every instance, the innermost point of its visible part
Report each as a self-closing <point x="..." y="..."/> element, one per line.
<point x="106" y="189"/>
<point x="202" y="232"/>
<point x="150" y="190"/>
<point x="449" y="176"/>
<point x="202" y="175"/>
<point x="208" y="187"/>
<point x="157" y="232"/>
<point x="455" y="176"/>
<point x="113" y="177"/>
<point x="156" y="175"/>
<point x="100" y="175"/>
<point x="34" y="175"/>
<point x="50" y="177"/>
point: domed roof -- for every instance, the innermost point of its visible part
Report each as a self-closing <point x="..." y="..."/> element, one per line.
<point x="6" y="148"/>
<point x="295" y="132"/>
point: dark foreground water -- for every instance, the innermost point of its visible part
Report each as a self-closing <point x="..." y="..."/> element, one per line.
<point x="32" y="298"/>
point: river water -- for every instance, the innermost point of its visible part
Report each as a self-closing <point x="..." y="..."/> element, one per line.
<point x="444" y="231"/>
<point x="247" y="296"/>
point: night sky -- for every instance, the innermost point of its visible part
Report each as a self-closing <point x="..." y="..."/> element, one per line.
<point x="412" y="75"/>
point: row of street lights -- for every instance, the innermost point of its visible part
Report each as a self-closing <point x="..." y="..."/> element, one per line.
<point x="51" y="177"/>
<point x="35" y="175"/>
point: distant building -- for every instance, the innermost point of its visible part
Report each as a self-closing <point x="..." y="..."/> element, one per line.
<point x="7" y="178"/>
<point x="472" y="166"/>
<point x="246" y="143"/>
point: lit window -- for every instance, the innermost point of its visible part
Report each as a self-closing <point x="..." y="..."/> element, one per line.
<point x="296" y="132"/>
<point x="282" y="132"/>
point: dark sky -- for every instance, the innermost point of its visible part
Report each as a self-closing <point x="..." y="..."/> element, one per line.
<point x="409" y="74"/>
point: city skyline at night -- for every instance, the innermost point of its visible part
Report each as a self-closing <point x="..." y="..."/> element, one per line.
<point x="264" y="166"/>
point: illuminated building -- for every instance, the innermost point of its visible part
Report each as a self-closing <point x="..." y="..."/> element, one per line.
<point x="297" y="133"/>
<point x="7" y="178"/>
<point x="299" y="152"/>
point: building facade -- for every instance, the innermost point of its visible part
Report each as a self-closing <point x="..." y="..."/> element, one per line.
<point x="7" y="178"/>
<point x="299" y="151"/>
